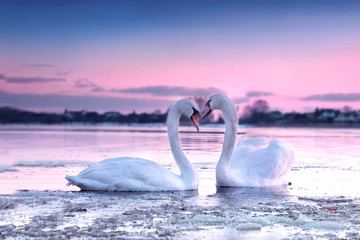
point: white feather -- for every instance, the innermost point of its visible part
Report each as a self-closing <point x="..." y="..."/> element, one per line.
<point x="137" y="174"/>
<point x="252" y="162"/>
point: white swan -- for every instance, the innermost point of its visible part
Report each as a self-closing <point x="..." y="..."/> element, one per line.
<point x="137" y="174"/>
<point x="255" y="162"/>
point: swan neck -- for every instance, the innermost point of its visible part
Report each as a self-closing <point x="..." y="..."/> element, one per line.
<point x="231" y="123"/>
<point x="186" y="168"/>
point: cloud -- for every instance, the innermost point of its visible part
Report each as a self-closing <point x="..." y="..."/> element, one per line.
<point x="241" y="100"/>
<point x="39" y="65"/>
<point x="63" y="73"/>
<point x="98" y="89"/>
<point x="333" y="97"/>
<point x="258" y="94"/>
<point x="97" y="103"/>
<point x="33" y="80"/>
<point x="30" y="79"/>
<point x="84" y="83"/>
<point x="251" y="94"/>
<point x="170" y="91"/>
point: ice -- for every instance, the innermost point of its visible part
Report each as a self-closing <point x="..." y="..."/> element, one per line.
<point x="7" y="204"/>
<point x="50" y="163"/>
<point x="6" y="169"/>
<point x="173" y="215"/>
<point x="327" y="200"/>
<point x="248" y="227"/>
<point x="325" y="225"/>
<point x="270" y="220"/>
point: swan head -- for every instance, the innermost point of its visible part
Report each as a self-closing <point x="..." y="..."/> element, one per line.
<point x="215" y="102"/>
<point x="190" y="109"/>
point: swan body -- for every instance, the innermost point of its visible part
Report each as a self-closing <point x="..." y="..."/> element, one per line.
<point x="127" y="174"/>
<point x="251" y="162"/>
<point x="137" y="174"/>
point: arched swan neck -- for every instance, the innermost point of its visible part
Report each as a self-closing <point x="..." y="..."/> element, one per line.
<point x="231" y="123"/>
<point x="186" y="168"/>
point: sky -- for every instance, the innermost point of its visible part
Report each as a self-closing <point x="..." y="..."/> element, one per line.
<point x="143" y="55"/>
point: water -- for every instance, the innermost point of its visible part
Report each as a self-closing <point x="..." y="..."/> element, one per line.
<point x="321" y="203"/>
<point x="38" y="157"/>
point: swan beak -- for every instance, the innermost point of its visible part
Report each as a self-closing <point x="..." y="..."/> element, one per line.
<point x="195" y="120"/>
<point x="207" y="111"/>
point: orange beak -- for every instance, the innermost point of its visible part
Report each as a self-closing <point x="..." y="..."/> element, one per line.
<point x="195" y="120"/>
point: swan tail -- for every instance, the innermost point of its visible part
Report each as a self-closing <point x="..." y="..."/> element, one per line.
<point x="71" y="180"/>
<point x="75" y="181"/>
<point x="88" y="184"/>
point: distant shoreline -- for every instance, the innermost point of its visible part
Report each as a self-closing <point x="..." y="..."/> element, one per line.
<point x="310" y="125"/>
<point x="240" y="126"/>
<point x="320" y="118"/>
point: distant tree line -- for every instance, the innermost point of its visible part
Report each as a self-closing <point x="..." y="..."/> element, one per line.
<point x="258" y="113"/>
<point x="13" y="115"/>
<point x="9" y="115"/>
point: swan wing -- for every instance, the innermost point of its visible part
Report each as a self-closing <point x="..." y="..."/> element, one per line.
<point x="262" y="162"/>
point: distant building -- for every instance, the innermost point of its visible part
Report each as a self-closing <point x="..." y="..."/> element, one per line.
<point x="351" y="117"/>
<point x="327" y="115"/>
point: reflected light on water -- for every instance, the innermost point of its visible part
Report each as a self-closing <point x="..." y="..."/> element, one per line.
<point x="38" y="157"/>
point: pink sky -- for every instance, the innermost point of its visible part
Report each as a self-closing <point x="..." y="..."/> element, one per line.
<point x="293" y="56"/>
<point x="288" y="77"/>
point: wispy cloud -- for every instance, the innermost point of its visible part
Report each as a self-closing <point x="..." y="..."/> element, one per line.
<point x="241" y="100"/>
<point x="258" y="94"/>
<point x="252" y="94"/>
<point x="98" y="89"/>
<point x="63" y="73"/>
<point x="170" y="91"/>
<point x="39" y="65"/>
<point x="333" y="97"/>
<point x="84" y="83"/>
<point x="30" y="79"/>
<point x="97" y="103"/>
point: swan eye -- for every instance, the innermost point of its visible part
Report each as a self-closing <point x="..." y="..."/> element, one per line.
<point x="195" y="112"/>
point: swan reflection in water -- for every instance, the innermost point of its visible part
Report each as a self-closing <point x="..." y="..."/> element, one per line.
<point x="274" y="190"/>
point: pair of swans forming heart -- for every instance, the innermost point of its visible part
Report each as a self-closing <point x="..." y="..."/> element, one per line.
<point x="252" y="162"/>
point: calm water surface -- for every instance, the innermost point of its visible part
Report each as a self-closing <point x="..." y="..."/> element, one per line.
<point x="327" y="161"/>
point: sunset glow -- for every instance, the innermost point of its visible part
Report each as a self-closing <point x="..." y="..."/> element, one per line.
<point x="141" y="55"/>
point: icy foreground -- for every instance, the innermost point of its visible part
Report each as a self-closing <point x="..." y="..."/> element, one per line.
<point x="228" y="214"/>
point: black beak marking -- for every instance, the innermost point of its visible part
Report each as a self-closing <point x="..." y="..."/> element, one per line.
<point x="209" y="110"/>
<point x="207" y="114"/>
<point x="195" y="112"/>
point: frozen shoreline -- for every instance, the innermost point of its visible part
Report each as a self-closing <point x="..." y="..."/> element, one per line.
<point x="229" y="214"/>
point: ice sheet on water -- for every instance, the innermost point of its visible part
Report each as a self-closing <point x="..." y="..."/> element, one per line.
<point x="206" y="219"/>
<point x="248" y="227"/>
<point x="308" y="223"/>
<point x="327" y="199"/>
<point x="302" y="222"/>
<point x="269" y="220"/>
<point x="7" y="169"/>
<point x="50" y="163"/>
<point x="325" y="225"/>
<point x="167" y="215"/>
<point x="7" y="204"/>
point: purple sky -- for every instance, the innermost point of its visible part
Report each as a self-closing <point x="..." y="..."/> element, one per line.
<point x="143" y="55"/>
